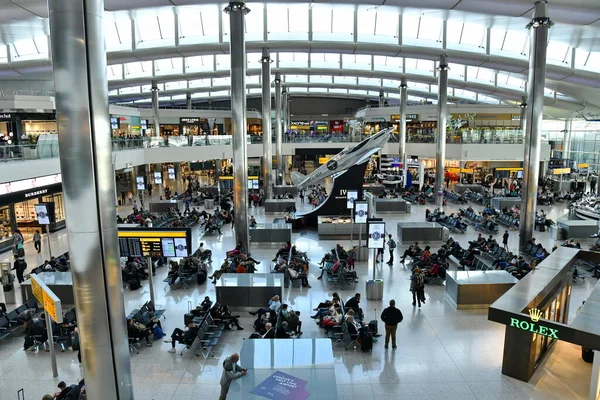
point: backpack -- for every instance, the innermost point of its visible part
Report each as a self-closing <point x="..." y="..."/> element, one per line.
<point x="134" y="284"/>
<point x="158" y="332"/>
<point x="392" y="244"/>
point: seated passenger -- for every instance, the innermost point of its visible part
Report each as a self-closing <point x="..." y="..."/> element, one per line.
<point x="353" y="304"/>
<point x="282" y="331"/>
<point x="222" y="313"/>
<point x="274" y="305"/>
<point x="252" y="222"/>
<point x="137" y="331"/>
<point x="186" y="337"/>
<point x="329" y="321"/>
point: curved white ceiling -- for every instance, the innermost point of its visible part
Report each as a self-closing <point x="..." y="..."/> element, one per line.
<point x="484" y="34"/>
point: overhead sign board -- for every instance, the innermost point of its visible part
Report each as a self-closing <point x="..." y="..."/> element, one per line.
<point x="47" y="298"/>
<point x="155" y="242"/>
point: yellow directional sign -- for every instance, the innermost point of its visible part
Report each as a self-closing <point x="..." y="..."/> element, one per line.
<point x="37" y="291"/>
<point x="44" y="295"/>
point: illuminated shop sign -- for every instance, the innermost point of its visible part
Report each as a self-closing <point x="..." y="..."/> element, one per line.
<point x="532" y="326"/>
<point x="190" y="121"/>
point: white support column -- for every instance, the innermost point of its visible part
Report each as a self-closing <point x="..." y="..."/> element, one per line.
<point x="595" y="381"/>
<point x="444" y="35"/>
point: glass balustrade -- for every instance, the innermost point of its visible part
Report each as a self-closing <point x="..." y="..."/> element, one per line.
<point x="49" y="149"/>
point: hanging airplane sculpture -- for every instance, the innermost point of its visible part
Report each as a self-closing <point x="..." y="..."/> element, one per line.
<point x="350" y="156"/>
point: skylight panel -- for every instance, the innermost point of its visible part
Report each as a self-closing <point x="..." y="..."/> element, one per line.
<point x="199" y="63"/>
<point x="325" y="60"/>
<point x="321" y="79"/>
<point x="138" y="69"/>
<point x="155" y="30"/>
<point x="224" y="81"/>
<point x="117" y="32"/>
<point x="200" y="83"/>
<point x="356" y="61"/>
<point x="199" y="24"/>
<point x="287" y="22"/>
<point x="168" y="66"/>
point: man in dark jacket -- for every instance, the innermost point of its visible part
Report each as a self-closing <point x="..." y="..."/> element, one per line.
<point x="353" y="303"/>
<point x="391" y="317"/>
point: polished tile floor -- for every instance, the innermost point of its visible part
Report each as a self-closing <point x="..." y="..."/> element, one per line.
<point x="442" y="353"/>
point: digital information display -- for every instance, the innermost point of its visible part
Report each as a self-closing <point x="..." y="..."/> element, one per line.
<point x="376" y="235"/>
<point x="351" y="196"/>
<point x="155" y="242"/>
<point x="42" y="213"/>
<point x="140" y="182"/>
<point x="361" y="212"/>
<point x="171" y="173"/>
<point x="158" y="178"/>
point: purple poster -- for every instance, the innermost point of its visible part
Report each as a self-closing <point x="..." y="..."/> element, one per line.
<point x="281" y="386"/>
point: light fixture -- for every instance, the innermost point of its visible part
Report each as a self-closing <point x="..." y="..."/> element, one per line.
<point x="523" y="105"/>
<point x="277" y="80"/>
<point x="540" y="21"/>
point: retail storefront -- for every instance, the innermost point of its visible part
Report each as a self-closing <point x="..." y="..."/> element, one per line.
<point x="336" y="127"/>
<point x="17" y="202"/>
<point x="25" y="128"/>
<point x="125" y="126"/>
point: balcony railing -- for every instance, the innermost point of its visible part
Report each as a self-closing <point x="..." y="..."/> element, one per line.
<point x="49" y="149"/>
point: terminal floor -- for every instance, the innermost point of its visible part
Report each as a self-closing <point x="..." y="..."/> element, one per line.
<point x="442" y="353"/>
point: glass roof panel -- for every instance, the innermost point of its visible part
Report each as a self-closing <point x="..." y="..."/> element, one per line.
<point x="366" y="22"/>
<point x="369" y="81"/>
<point x="175" y="85"/>
<point x="289" y="60"/>
<point x="113" y="92"/>
<point x="129" y="90"/>
<point x="346" y="80"/>
<point x="421" y="67"/>
<point x="225" y="81"/>
<point x="154" y="29"/>
<point x="200" y="95"/>
<point x="321" y="79"/>
<point x="219" y="93"/>
<point x="199" y="63"/>
<point x="200" y="83"/>
<point x="430" y="29"/>
<point x="393" y="95"/>
<point x="332" y="23"/>
<point x="390" y="83"/>
<point x="146" y="88"/>
<point x="456" y="71"/>
<point x="338" y="90"/>
<point x="359" y="92"/>
<point x="516" y="41"/>
<point x="593" y="61"/>
<point x="117" y="31"/>
<point x="558" y="51"/>
<point x="168" y="66"/>
<point x="473" y="35"/>
<point x="114" y="72"/>
<point x="298" y="90"/>
<point x="422" y="87"/>
<point x="223" y="62"/>
<point x="410" y="26"/>
<point x="317" y="90"/>
<point x="465" y="94"/>
<point x="253" y="60"/>
<point x="289" y="22"/>
<point x="510" y="80"/>
<point x="295" y="78"/>
<point x="25" y="49"/>
<point x="255" y="91"/>
<point x="179" y="97"/>
<point x="199" y="24"/>
<point x="356" y="61"/>
<point x="3" y="54"/>
<point x="255" y="22"/>
<point x="252" y="80"/>
<point x="138" y="69"/>
<point x="384" y="63"/>
<point x="480" y="74"/>
<point x="324" y="60"/>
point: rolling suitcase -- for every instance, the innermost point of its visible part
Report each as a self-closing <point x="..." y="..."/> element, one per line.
<point x="201" y="277"/>
<point x="366" y="343"/>
<point x="373" y="327"/>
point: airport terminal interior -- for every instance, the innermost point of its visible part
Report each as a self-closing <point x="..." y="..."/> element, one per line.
<point x="204" y="200"/>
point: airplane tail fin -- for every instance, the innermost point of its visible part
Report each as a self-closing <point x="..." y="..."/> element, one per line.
<point x="297" y="178"/>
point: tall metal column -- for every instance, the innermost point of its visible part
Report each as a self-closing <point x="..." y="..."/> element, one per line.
<point x="288" y="113"/>
<point x="567" y="139"/>
<point x="440" y="159"/>
<point x="278" y="135"/>
<point x="266" y="123"/>
<point x="237" y="12"/>
<point x="284" y="111"/>
<point x="188" y="100"/>
<point x="533" y="128"/>
<point x="523" y="116"/>
<point x="155" y="108"/>
<point x="402" y="122"/>
<point x="79" y="63"/>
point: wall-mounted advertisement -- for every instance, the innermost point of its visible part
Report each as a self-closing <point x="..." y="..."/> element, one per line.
<point x="42" y="214"/>
<point x="171" y="172"/>
<point x="361" y="212"/>
<point x="376" y="235"/>
<point x="158" y="178"/>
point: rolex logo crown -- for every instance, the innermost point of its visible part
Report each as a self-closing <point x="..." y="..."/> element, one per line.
<point x="535" y="314"/>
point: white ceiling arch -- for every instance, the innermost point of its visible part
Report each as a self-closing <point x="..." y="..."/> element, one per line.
<point x="476" y="33"/>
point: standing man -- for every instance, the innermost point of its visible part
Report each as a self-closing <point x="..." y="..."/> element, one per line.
<point x="380" y="253"/>
<point x="593" y="186"/>
<point x="20" y="266"/>
<point x="302" y="196"/>
<point x="391" y="317"/>
<point x="391" y="247"/>
<point x="505" y="240"/>
<point x="37" y="241"/>
<point x="231" y="371"/>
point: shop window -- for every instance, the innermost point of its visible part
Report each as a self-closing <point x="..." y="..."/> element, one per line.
<point x="5" y="223"/>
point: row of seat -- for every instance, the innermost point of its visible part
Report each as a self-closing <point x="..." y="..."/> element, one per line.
<point x="10" y="322"/>
<point x="455" y="197"/>
<point x="508" y="220"/>
<point x="137" y="313"/>
<point x="208" y="335"/>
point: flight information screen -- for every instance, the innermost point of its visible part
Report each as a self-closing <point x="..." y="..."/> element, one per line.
<point x="154" y="242"/>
